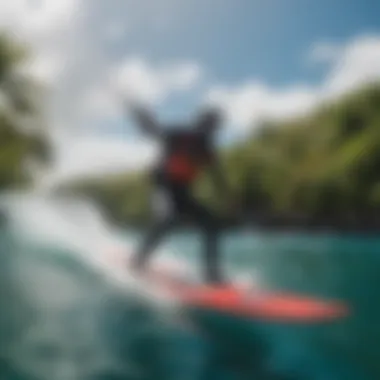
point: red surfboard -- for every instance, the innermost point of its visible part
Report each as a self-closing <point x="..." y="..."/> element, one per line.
<point x="255" y="303"/>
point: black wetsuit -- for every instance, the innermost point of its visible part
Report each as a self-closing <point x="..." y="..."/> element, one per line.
<point x="186" y="153"/>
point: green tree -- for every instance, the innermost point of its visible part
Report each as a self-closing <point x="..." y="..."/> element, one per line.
<point x="325" y="165"/>
<point x="23" y="141"/>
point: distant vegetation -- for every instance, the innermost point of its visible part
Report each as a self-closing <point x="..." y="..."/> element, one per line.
<point x="320" y="169"/>
<point x="23" y="142"/>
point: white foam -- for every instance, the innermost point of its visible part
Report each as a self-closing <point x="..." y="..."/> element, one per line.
<point x="79" y="226"/>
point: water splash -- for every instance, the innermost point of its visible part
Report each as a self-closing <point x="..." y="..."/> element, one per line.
<point x="61" y="282"/>
<point x="71" y="312"/>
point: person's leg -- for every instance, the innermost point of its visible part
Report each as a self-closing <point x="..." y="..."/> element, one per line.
<point x="150" y="242"/>
<point x="210" y="225"/>
<point x="165" y="216"/>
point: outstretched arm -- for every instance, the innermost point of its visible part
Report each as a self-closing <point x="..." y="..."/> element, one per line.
<point x="145" y="120"/>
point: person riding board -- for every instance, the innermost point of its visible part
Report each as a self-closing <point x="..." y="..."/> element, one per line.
<point x="186" y="154"/>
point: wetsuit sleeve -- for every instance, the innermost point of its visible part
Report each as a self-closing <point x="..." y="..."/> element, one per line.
<point x="146" y="122"/>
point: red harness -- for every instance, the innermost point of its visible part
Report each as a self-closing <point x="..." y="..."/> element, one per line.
<point x="185" y="164"/>
<point x="182" y="168"/>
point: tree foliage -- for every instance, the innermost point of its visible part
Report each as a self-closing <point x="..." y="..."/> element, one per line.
<point x="23" y="141"/>
<point x="325" y="165"/>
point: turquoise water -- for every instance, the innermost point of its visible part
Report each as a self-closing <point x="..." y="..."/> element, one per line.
<point x="62" y="320"/>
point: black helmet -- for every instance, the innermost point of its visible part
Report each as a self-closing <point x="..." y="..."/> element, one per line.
<point x="209" y="119"/>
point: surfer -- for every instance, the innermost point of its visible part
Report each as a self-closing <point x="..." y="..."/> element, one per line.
<point x="185" y="153"/>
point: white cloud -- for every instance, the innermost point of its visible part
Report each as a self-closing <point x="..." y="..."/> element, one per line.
<point x="94" y="156"/>
<point x="358" y="64"/>
<point x="138" y="79"/>
<point x="115" y="31"/>
<point x="73" y="50"/>
<point x="41" y="24"/>
<point x="353" y="65"/>
<point x="36" y="18"/>
<point x="72" y="42"/>
<point x="248" y="104"/>
<point x="46" y="68"/>
<point x="323" y="52"/>
<point x="100" y="101"/>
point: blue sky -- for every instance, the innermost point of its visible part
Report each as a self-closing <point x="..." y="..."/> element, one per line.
<point x="253" y="58"/>
<point x="267" y="39"/>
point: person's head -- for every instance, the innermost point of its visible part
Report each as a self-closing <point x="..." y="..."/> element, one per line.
<point x="209" y="120"/>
